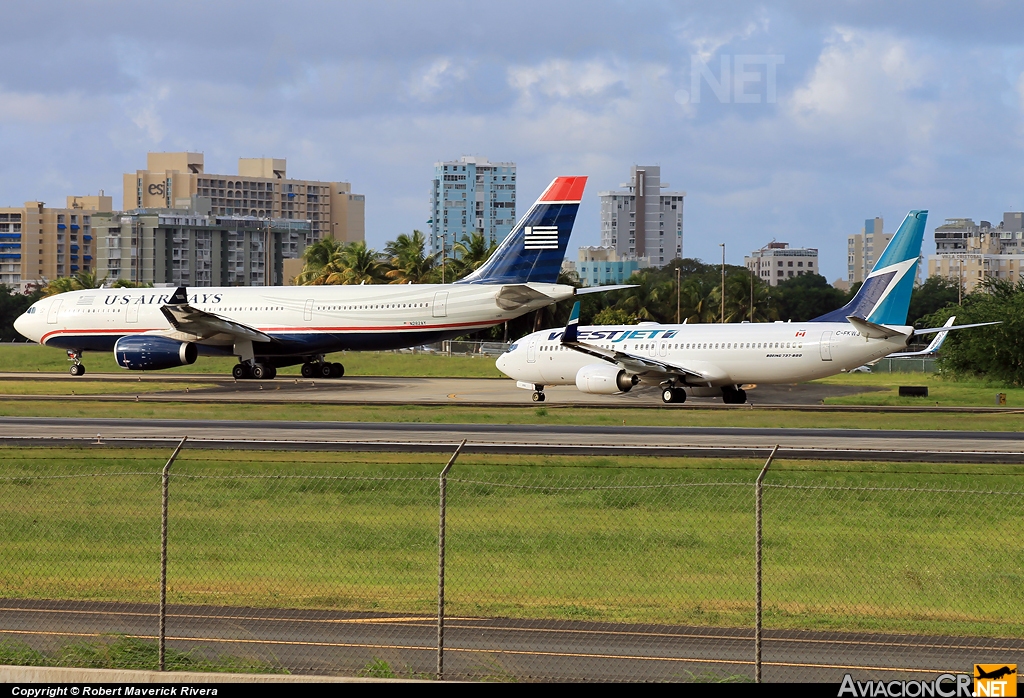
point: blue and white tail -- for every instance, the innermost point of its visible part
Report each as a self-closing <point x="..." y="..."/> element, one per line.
<point x="884" y="298"/>
<point x="535" y="248"/>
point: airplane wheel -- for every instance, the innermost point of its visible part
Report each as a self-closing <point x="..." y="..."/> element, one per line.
<point x="77" y="370"/>
<point x="326" y="370"/>
<point x="741" y="397"/>
<point x="271" y="372"/>
<point x="339" y="369"/>
<point x="668" y="395"/>
<point x="308" y="370"/>
<point x="240" y="371"/>
<point x="261" y="372"/>
<point x="538" y="396"/>
<point x="680" y="394"/>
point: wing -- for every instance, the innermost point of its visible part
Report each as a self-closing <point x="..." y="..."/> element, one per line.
<point x="200" y="325"/>
<point x="643" y="366"/>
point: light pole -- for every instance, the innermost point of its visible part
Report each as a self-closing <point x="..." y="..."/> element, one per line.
<point x="722" y="245"/>
<point x="678" y="272"/>
<point x="751" y="290"/>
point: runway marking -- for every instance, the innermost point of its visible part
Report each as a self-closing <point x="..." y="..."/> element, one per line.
<point x="532" y="653"/>
<point x="418" y="621"/>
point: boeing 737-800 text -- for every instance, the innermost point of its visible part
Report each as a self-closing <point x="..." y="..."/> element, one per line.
<point x="718" y="359"/>
<point x="270" y="327"/>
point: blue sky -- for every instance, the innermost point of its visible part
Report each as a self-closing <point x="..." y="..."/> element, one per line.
<point x="879" y="107"/>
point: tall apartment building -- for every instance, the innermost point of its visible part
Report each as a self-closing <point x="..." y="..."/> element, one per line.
<point x="970" y="252"/>
<point x="194" y="247"/>
<point x="864" y="248"/>
<point x="38" y="244"/>
<point x="643" y="222"/>
<point x="598" y="266"/>
<point x="261" y="189"/>
<point x="471" y="195"/>
<point x="777" y="261"/>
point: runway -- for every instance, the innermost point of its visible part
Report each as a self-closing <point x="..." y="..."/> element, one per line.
<point x="322" y="641"/>
<point x="739" y="442"/>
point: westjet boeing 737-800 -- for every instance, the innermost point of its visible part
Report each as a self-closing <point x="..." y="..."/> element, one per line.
<point x="270" y="327"/>
<point x="718" y="359"/>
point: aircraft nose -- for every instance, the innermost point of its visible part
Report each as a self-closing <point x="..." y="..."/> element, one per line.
<point x="21" y="326"/>
<point x="502" y="362"/>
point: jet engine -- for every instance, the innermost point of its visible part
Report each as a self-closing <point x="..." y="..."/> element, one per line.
<point x="604" y="379"/>
<point x="153" y="352"/>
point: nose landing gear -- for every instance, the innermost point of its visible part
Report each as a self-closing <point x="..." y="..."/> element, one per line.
<point x="77" y="368"/>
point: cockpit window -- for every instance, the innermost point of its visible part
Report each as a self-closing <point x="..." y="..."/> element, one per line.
<point x="511" y="349"/>
<point x="31" y="310"/>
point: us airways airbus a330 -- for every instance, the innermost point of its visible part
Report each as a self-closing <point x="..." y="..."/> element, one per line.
<point x="270" y="327"/>
<point x="718" y="359"/>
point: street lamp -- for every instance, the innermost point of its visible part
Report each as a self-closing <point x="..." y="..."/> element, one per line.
<point x="722" y="245"/>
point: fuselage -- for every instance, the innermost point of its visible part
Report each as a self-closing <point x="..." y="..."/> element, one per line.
<point x="301" y="320"/>
<point x="727" y="354"/>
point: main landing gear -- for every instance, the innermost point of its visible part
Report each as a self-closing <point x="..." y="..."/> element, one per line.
<point x="734" y="396"/>
<point x="255" y="371"/>
<point x="322" y="369"/>
<point x="76" y="369"/>
<point x="670" y="395"/>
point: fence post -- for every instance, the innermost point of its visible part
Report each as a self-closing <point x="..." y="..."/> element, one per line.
<point x="163" y="553"/>
<point x="758" y="486"/>
<point x="440" y="564"/>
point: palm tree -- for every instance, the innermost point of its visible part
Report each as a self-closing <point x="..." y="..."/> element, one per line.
<point x="354" y="264"/>
<point x="62" y="284"/>
<point x="410" y="264"/>
<point x="699" y="301"/>
<point x="85" y="279"/>
<point x="317" y="257"/>
<point x="469" y="254"/>
<point x="737" y="299"/>
<point x="647" y="302"/>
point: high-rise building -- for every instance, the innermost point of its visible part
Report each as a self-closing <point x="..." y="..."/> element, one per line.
<point x="39" y="244"/>
<point x="471" y="195"/>
<point x="261" y="189"/>
<point x="194" y="247"/>
<point x="864" y="248"/>
<point x="777" y="262"/>
<point x="643" y="222"/>
<point x="598" y="266"/>
<point x="970" y="252"/>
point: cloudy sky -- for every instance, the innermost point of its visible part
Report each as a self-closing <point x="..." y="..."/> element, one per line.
<point x="788" y="120"/>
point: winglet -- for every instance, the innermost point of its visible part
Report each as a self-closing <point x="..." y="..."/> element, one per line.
<point x="179" y="297"/>
<point x="570" y="335"/>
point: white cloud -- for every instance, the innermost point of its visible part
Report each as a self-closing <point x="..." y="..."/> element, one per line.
<point x="34" y="108"/>
<point x="564" y="79"/>
<point x="863" y="84"/>
<point x="440" y="75"/>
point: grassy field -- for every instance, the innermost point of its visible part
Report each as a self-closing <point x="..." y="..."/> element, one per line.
<point x="634" y="539"/>
<point x="21" y="358"/>
<point x="460" y="414"/>
<point x="941" y="391"/>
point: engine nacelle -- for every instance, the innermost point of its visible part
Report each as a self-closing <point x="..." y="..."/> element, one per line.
<point x="152" y="352"/>
<point x="604" y="379"/>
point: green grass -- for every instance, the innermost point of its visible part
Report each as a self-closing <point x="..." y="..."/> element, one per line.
<point x="21" y="358"/>
<point x="120" y="652"/>
<point x="941" y="391"/>
<point x="630" y="539"/>
<point x="654" y="415"/>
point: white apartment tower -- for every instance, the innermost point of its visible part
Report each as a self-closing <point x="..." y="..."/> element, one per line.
<point x="643" y="222"/>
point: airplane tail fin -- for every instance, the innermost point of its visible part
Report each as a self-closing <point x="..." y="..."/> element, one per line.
<point x="572" y="327"/>
<point x="884" y="298"/>
<point x="535" y="248"/>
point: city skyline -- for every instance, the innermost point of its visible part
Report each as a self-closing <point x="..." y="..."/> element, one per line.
<point x="795" y="122"/>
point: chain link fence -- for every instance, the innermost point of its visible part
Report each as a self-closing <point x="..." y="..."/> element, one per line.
<point x="552" y="569"/>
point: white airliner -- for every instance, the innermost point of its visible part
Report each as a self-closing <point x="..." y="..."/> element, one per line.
<point x="718" y="359"/>
<point x="270" y="327"/>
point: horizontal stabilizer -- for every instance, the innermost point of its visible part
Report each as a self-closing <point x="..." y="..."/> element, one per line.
<point x="932" y="330"/>
<point x="872" y="330"/>
<point x="601" y="289"/>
